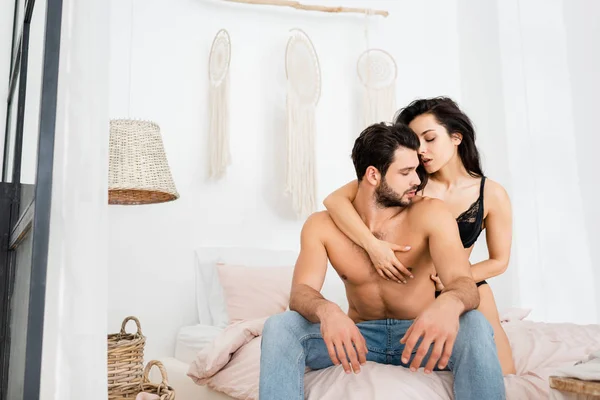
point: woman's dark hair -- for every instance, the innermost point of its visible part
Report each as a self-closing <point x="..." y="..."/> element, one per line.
<point x="376" y="145"/>
<point x="449" y="115"/>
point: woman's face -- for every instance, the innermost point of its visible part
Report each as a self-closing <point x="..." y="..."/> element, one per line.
<point x="437" y="147"/>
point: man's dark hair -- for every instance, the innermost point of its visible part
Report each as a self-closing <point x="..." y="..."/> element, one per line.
<point x="376" y="145"/>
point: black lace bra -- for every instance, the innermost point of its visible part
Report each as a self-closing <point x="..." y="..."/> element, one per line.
<point x="470" y="222"/>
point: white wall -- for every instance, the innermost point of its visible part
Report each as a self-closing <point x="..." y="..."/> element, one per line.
<point x="525" y="77"/>
<point x="582" y="32"/>
<point x="150" y="247"/>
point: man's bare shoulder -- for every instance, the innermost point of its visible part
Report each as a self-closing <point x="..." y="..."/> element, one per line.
<point x="428" y="210"/>
<point x="318" y="226"/>
<point x="319" y="217"/>
<point x="318" y="220"/>
<point x="424" y="204"/>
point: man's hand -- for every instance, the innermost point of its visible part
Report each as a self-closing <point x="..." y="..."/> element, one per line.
<point x="437" y="325"/>
<point x="345" y="343"/>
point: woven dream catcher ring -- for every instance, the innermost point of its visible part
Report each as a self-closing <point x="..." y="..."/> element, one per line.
<point x="303" y="74"/>
<point x="218" y="74"/>
<point x="302" y="67"/>
<point x="220" y="55"/>
<point x="377" y="72"/>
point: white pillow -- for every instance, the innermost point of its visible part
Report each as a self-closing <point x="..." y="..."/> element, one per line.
<point x="192" y="339"/>
<point x="210" y="299"/>
<point x="209" y="296"/>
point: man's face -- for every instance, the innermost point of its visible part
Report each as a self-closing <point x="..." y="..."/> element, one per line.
<point x="399" y="185"/>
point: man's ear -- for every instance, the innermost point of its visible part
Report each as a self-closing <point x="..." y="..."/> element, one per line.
<point x="372" y="175"/>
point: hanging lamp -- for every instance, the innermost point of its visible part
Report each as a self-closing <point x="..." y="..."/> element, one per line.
<point x="138" y="171"/>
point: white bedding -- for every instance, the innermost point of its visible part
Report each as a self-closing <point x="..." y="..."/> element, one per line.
<point x="192" y="339"/>
<point x="185" y="388"/>
<point x="231" y="365"/>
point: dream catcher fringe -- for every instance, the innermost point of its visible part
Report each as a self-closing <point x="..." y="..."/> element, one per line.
<point x="377" y="72"/>
<point x="218" y="135"/>
<point x="303" y="92"/>
<point x="300" y="177"/>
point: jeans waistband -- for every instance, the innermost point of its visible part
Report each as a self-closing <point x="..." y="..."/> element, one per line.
<point x="388" y="322"/>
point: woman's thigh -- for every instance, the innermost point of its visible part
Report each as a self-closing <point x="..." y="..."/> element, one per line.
<point x="487" y="306"/>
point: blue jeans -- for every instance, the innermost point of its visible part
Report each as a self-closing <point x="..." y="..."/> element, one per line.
<point x="290" y="343"/>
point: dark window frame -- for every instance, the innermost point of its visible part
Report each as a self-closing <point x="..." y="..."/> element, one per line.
<point x="34" y="217"/>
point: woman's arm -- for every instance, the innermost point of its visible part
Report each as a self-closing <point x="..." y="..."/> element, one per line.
<point x="498" y="225"/>
<point x="344" y="215"/>
<point x="339" y="205"/>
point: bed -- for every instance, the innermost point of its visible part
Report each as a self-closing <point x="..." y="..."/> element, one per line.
<point x="226" y="365"/>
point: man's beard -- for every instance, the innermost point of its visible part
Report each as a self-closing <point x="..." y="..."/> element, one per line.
<point x="385" y="196"/>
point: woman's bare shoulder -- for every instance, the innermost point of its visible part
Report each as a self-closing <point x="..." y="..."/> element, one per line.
<point x="495" y="194"/>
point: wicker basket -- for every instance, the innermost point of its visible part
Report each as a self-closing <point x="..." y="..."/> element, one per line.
<point x="125" y="362"/>
<point x="162" y="389"/>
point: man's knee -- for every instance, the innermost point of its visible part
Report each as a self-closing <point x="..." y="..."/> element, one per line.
<point x="475" y="328"/>
<point x="280" y="325"/>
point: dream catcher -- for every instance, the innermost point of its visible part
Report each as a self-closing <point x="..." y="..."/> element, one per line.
<point x="377" y="72"/>
<point x="218" y="134"/>
<point x="303" y="92"/>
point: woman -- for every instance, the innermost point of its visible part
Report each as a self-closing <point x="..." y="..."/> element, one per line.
<point x="451" y="160"/>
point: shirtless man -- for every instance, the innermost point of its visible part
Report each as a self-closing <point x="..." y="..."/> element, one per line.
<point x="443" y="333"/>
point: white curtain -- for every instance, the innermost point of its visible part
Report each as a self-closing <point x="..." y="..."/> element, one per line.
<point x="554" y="274"/>
<point x="74" y="352"/>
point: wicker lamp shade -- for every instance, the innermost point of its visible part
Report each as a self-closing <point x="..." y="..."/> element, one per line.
<point x="138" y="170"/>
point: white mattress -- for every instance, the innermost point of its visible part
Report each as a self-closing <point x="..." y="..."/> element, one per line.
<point x="190" y="340"/>
<point x="185" y="388"/>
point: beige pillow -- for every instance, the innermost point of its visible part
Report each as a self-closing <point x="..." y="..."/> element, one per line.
<point x="255" y="292"/>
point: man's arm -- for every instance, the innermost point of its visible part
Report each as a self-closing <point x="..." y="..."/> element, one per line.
<point x="438" y="324"/>
<point x="309" y="273"/>
<point x="449" y="257"/>
<point x="344" y="342"/>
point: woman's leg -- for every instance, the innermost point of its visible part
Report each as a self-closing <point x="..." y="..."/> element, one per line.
<point x="487" y="306"/>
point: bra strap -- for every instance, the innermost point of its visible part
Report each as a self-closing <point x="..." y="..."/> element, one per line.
<point x="481" y="187"/>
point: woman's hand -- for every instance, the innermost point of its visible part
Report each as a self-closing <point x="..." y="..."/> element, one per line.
<point x="385" y="261"/>
<point x="439" y="286"/>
